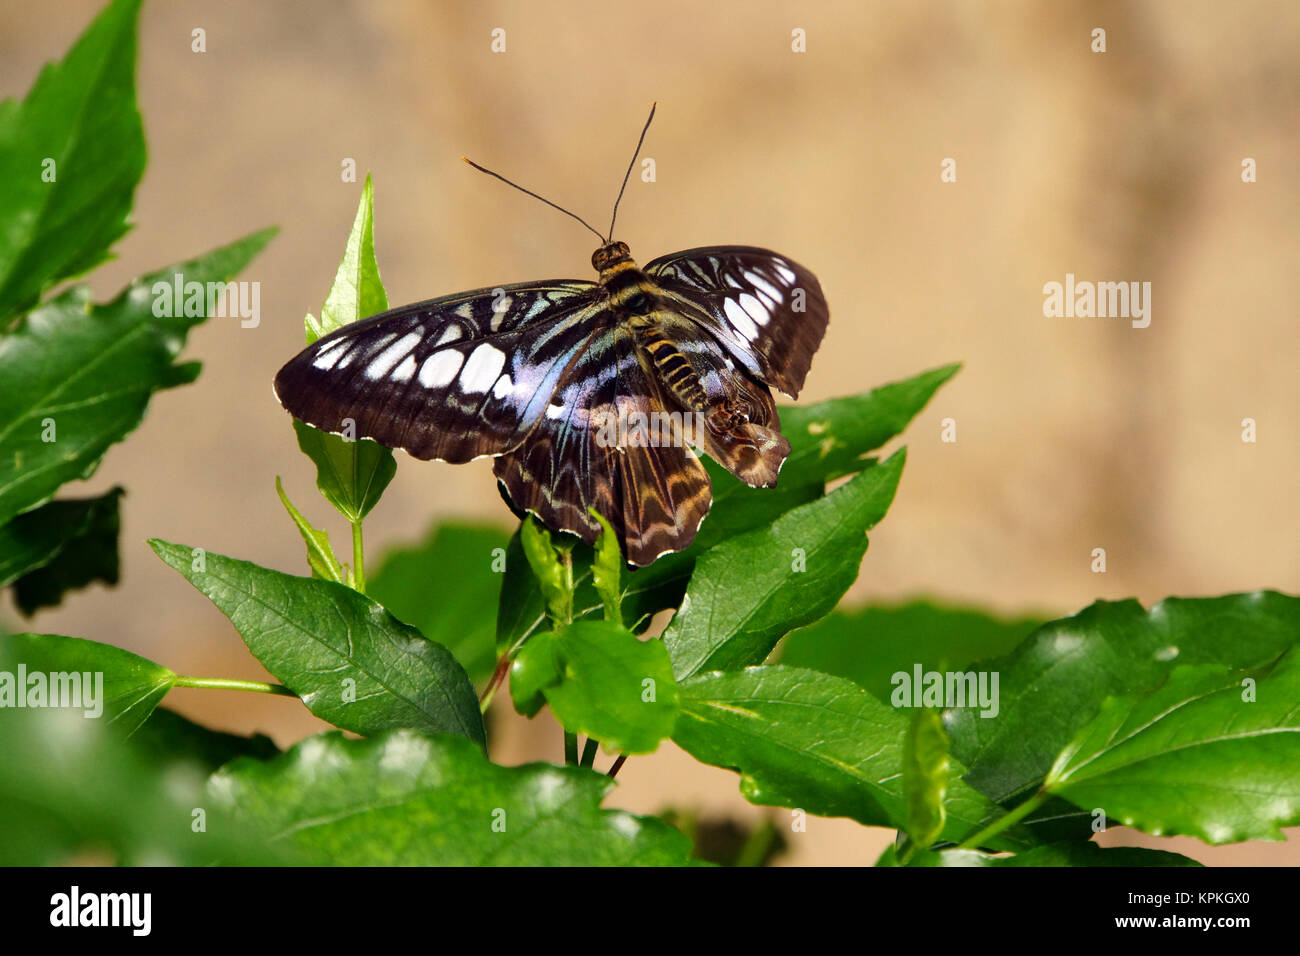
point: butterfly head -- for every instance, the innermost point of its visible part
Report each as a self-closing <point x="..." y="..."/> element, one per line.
<point x="610" y="255"/>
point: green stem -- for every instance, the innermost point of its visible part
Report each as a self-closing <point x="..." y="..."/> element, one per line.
<point x="224" y="683"/>
<point x="756" y="845"/>
<point x="905" y="857"/>
<point x="589" y="752"/>
<point x="566" y="564"/>
<point x="358" y="559"/>
<point x="1005" y="822"/>
<point x="570" y="748"/>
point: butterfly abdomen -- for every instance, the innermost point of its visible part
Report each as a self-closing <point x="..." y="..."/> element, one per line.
<point x="670" y="365"/>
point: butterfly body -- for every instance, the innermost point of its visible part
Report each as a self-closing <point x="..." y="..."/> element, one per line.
<point x="636" y="302"/>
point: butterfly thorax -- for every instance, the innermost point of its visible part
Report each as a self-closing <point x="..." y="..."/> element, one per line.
<point x="634" y="299"/>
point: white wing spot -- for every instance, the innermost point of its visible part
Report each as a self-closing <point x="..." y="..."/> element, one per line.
<point x="784" y="271"/>
<point x="482" y="369"/>
<point x="404" y="371"/>
<point x="755" y="308"/>
<point x="452" y="333"/>
<point x="555" y="411"/>
<point x="330" y="355"/>
<point x="440" y="368"/>
<point x="763" y="286"/>
<point x="383" y="363"/>
<point x="466" y="310"/>
<point x="503" y="387"/>
<point x="740" y="319"/>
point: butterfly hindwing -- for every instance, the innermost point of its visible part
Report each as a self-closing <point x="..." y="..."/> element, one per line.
<point x="753" y="449"/>
<point x="653" y="495"/>
<point x="766" y="309"/>
<point x="451" y="379"/>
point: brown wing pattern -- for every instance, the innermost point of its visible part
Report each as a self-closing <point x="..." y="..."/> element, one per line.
<point x="578" y="457"/>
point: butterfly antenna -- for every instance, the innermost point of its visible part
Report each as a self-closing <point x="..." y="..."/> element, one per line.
<point x="629" y="169"/>
<point x="482" y="169"/>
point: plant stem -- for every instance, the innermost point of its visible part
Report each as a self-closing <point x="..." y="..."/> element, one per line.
<point x="498" y="678"/>
<point x="570" y="748"/>
<point x="1004" y="822"/>
<point x="566" y="564"/>
<point x="358" y="559"/>
<point x="756" y="845"/>
<point x="589" y="752"/>
<point x="909" y="851"/>
<point x="224" y="683"/>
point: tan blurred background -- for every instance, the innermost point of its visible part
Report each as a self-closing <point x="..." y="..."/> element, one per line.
<point x="1072" y="433"/>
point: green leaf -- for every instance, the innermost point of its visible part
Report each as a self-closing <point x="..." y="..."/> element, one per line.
<point x="90" y="556"/>
<point x="829" y="439"/>
<point x="925" y="777"/>
<point x="358" y="291"/>
<point x="1209" y="754"/>
<point x="80" y="116"/>
<point x="523" y="611"/>
<point x="405" y="799"/>
<point x="320" y="556"/>
<point x="58" y="547"/>
<point x="351" y="474"/>
<point x="534" y="669"/>
<point x="552" y="571"/>
<point x="167" y="738"/>
<point x="445" y="588"/>
<point x="79" y="377"/>
<point x="1054" y="682"/>
<point x="1071" y="853"/>
<point x="607" y="571"/>
<point x="749" y="591"/>
<point x="98" y="680"/>
<point x="603" y="682"/>
<point x="72" y="791"/>
<point x="352" y="663"/>
<point x="821" y="743"/>
<point x="857" y="426"/>
<point x="871" y="644"/>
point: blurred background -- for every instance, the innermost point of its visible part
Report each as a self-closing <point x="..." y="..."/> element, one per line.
<point x="1072" y="433"/>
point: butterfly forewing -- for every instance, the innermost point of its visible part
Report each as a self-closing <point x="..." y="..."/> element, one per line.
<point x="766" y="309"/>
<point x="451" y="379"/>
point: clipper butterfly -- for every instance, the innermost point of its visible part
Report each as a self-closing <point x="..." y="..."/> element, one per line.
<point x="587" y="394"/>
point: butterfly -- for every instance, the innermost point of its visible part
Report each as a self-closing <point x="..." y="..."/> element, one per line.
<point x="589" y="395"/>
